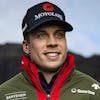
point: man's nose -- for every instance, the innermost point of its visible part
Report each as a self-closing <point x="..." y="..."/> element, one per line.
<point x="52" y="42"/>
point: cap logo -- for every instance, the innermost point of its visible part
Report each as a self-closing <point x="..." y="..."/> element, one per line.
<point x="45" y="14"/>
<point x="48" y="7"/>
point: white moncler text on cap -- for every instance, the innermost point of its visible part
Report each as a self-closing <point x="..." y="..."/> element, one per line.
<point x="42" y="14"/>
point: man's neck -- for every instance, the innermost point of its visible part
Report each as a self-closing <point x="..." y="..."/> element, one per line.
<point x="48" y="76"/>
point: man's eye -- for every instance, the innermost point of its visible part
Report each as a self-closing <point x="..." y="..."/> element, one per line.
<point x="41" y="35"/>
<point x="60" y="35"/>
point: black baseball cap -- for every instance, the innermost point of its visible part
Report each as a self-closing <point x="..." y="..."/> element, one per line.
<point x="42" y="13"/>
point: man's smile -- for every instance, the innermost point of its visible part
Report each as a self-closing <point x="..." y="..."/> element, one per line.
<point x="52" y="55"/>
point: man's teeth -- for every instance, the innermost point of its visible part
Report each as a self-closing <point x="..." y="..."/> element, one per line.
<point x="52" y="54"/>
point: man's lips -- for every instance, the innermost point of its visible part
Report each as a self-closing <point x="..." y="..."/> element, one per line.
<point x="52" y="53"/>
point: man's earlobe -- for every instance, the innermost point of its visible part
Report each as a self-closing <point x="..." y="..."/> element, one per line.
<point x="25" y="46"/>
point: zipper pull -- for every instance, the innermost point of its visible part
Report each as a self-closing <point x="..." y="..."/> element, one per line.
<point x="48" y="96"/>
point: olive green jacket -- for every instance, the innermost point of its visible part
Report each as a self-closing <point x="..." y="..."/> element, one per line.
<point x="77" y="86"/>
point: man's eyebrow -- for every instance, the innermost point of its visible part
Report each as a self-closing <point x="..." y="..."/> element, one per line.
<point x="62" y="30"/>
<point x="36" y="30"/>
<point x="39" y="30"/>
<point x="42" y="30"/>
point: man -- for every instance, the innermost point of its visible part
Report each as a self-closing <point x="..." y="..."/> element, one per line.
<point x="48" y="71"/>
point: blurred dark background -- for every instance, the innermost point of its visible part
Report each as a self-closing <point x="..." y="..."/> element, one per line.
<point x="10" y="62"/>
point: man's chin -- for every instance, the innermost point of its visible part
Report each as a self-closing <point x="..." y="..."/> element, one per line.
<point x="49" y="69"/>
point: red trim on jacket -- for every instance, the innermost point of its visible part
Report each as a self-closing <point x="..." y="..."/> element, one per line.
<point x="32" y="71"/>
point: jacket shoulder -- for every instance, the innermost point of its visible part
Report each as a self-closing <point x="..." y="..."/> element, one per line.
<point x="80" y="86"/>
<point x="16" y="83"/>
<point x="84" y="77"/>
<point x="85" y="83"/>
<point x="18" y="87"/>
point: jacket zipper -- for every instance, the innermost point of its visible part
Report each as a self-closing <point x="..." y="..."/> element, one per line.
<point x="54" y="86"/>
<point x="48" y="96"/>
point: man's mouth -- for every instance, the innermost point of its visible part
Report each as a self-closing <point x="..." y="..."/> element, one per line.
<point x="52" y="55"/>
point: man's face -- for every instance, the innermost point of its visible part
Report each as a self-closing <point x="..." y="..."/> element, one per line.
<point x="47" y="47"/>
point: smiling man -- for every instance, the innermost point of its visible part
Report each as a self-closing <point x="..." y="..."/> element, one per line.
<point x="46" y="46"/>
<point x="48" y="70"/>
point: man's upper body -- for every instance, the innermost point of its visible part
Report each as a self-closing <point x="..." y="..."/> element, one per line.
<point x="66" y="84"/>
<point x="48" y="71"/>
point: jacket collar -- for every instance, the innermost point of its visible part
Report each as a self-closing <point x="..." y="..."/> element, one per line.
<point x="31" y="73"/>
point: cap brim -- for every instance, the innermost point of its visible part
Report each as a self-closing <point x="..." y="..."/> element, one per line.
<point x="63" y="24"/>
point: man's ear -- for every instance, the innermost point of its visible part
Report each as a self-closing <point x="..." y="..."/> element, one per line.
<point x="25" y="46"/>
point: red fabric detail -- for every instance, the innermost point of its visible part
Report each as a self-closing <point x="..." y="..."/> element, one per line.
<point x="62" y="76"/>
<point x="32" y="71"/>
<point x="34" y="77"/>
